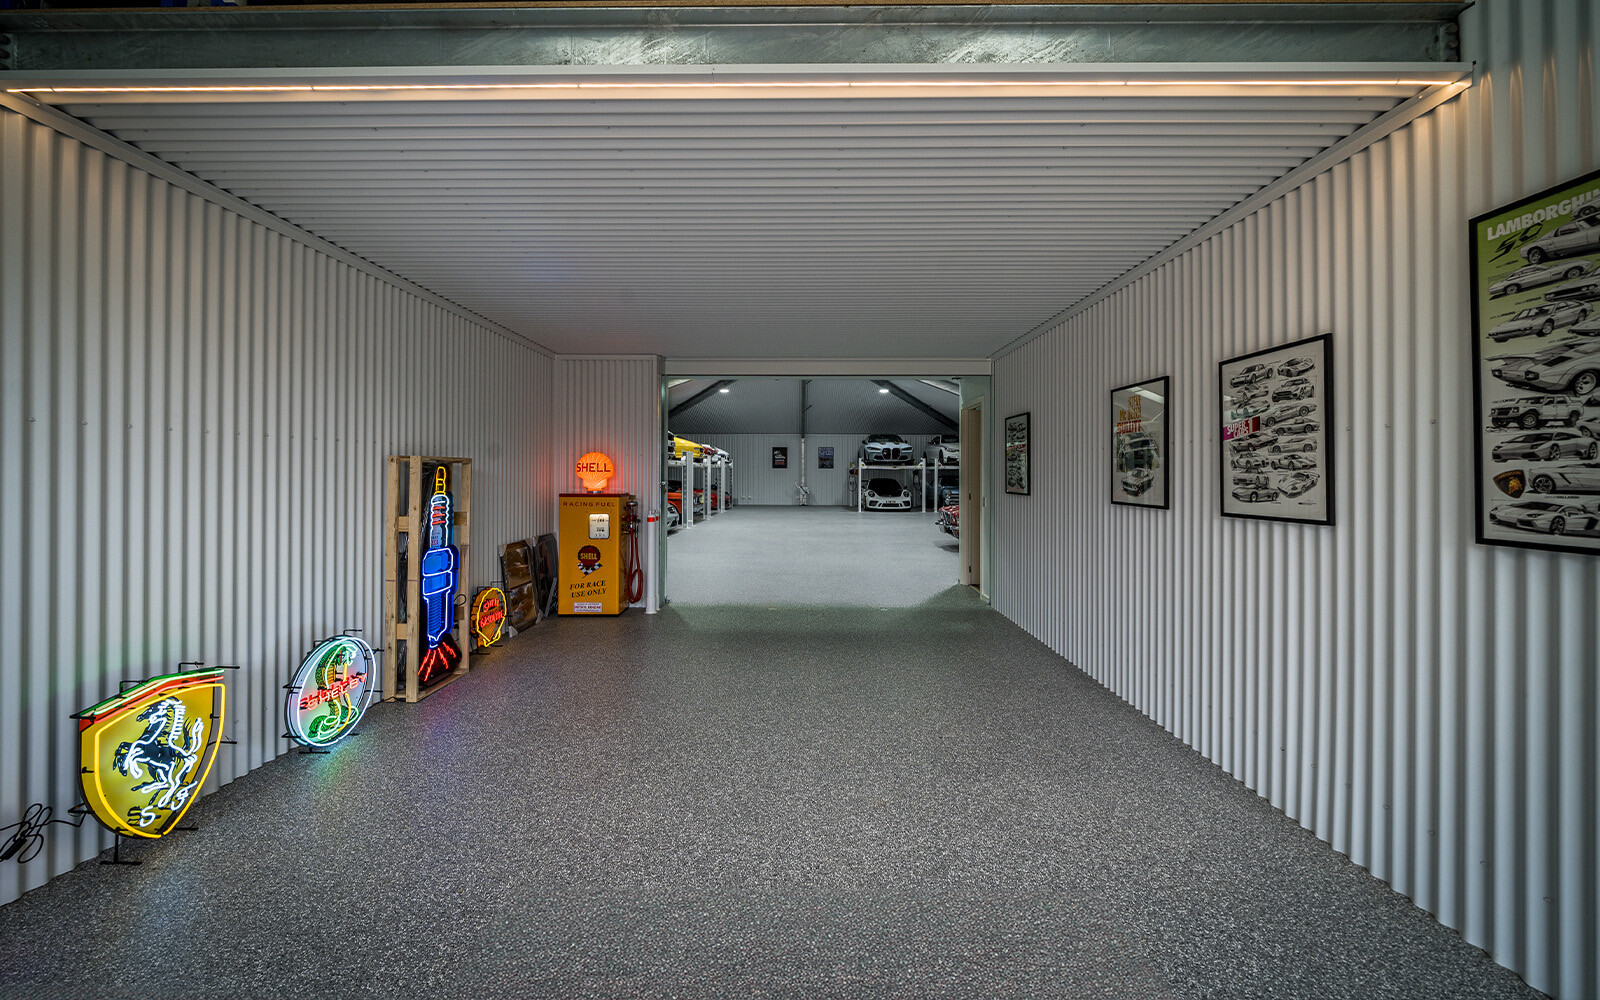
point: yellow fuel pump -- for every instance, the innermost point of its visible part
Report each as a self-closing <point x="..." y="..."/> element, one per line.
<point x="597" y="543"/>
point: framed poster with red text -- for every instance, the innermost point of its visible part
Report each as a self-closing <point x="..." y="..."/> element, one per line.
<point x="1140" y="436"/>
<point x="1277" y="433"/>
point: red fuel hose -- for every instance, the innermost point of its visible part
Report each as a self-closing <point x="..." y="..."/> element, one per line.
<point x="635" y="575"/>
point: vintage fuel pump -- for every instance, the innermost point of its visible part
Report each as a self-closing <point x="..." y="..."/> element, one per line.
<point x="600" y="571"/>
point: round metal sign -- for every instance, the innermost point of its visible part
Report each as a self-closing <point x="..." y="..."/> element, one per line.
<point x="329" y="691"/>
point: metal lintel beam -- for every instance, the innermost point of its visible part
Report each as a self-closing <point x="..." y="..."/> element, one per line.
<point x="183" y="39"/>
<point x="699" y="397"/>
<point x="910" y="400"/>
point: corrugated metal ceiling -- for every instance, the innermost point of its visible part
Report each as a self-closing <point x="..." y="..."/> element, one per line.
<point x="834" y="406"/>
<point x="771" y="226"/>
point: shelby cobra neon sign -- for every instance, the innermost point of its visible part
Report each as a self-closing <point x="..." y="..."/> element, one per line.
<point x="329" y="691"/>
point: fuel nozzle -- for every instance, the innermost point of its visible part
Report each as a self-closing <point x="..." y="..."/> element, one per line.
<point x="630" y="516"/>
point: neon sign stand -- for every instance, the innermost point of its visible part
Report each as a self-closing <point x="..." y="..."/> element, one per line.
<point x="427" y="561"/>
<point x="145" y="753"/>
<point x="329" y="692"/>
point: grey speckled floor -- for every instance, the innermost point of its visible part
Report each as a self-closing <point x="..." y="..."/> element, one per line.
<point x="785" y="556"/>
<point x="802" y="802"/>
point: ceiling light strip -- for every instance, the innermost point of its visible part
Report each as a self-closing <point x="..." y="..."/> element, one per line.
<point x="746" y="85"/>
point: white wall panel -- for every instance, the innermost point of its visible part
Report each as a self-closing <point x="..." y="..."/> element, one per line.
<point x="755" y="481"/>
<point x="610" y="405"/>
<point x="1425" y="704"/>
<point x="193" y="424"/>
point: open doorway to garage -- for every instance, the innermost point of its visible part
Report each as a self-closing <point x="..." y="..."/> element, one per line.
<point x="787" y="490"/>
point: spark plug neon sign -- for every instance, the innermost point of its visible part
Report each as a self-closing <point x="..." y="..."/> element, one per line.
<point x="329" y="691"/>
<point x="440" y="578"/>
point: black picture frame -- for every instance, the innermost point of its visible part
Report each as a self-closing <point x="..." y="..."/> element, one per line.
<point x="1279" y="400"/>
<point x="1015" y="451"/>
<point x="825" y="457"/>
<point x="780" y="457"/>
<point x="1140" y="439"/>
<point x="1506" y="281"/>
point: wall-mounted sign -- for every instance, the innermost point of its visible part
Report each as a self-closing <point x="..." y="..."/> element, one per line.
<point x="825" y="457"/>
<point x="145" y="753"/>
<point x="489" y="615"/>
<point x="595" y="471"/>
<point x="780" y="458"/>
<point x="329" y="691"/>
<point x="440" y="577"/>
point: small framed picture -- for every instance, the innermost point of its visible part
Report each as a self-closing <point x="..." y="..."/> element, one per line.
<point x="824" y="457"/>
<point x="1276" y="441"/>
<point x="780" y="458"/>
<point x="1016" y="454"/>
<point x="1140" y="429"/>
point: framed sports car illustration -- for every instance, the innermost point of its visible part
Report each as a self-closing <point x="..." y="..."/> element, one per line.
<point x="1277" y="433"/>
<point x="1140" y="430"/>
<point x="1536" y="369"/>
<point x="1017" y="467"/>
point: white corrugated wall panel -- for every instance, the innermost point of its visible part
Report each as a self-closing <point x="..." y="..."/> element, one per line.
<point x="610" y="405"/>
<point x="194" y="421"/>
<point x="756" y="482"/>
<point x="1425" y="704"/>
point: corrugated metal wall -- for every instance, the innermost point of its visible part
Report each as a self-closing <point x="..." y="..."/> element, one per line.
<point x="755" y="481"/>
<point x="610" y="405"/>
<point x="1425" y="704"/>
<point x="193" y="424"/>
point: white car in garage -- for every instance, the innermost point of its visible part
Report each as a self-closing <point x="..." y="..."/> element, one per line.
<point x="944" y="449"/>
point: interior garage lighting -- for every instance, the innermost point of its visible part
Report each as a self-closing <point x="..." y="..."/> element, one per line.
<point x="798" y="86"/>
<point x="722" y="390"/>
<point x="884" y="392"/>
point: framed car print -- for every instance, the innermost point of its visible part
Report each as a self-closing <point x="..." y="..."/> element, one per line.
<point x="1536" y="369"/>
<point x="1016" y="454"/>
<point x="1277" y="433"/>
<point x="1140" y="431"/>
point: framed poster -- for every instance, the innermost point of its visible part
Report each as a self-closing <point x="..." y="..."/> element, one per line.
<point x="1277" y="440"/>
<point x="824" y="457"/>
<point x="1140" y="430"/>
<point x="1016" y="454"/>
<point x="1536" y="369"/>
<point x="780" y="458"/>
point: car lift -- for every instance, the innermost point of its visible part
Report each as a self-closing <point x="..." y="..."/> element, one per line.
<point x="921" y="469"/>
<point x="724" y="480"/>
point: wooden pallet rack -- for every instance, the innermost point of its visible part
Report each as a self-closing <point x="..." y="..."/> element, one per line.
<point x="405" y="511"/>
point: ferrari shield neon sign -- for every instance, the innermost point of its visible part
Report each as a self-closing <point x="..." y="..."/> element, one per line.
<point x="145" y="753"/>
<point x="329" y="692"/>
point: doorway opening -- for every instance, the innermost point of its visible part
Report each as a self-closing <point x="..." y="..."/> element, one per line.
<point x="841" y="491"/>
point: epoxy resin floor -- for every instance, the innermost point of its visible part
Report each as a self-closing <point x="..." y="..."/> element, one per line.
<point x="742" y="802"/>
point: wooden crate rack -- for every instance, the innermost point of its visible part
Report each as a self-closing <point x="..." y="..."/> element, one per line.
<point x="405" y="511"/>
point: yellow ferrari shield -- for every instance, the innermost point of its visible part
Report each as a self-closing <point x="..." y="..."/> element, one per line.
<point x="145" y="753"/>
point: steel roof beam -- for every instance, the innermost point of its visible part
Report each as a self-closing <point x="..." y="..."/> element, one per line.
<point x="910" y="400"/>
<point x="186" y="39"/>
<point x="698" y="398"/>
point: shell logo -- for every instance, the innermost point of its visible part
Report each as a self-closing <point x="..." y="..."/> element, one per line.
<point x="595" y="471"/>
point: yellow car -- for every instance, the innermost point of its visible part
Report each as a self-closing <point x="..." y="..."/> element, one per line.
<point x="683" y="446"/>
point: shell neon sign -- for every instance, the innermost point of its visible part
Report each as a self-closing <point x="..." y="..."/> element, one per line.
<point x="595" y="471"/>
